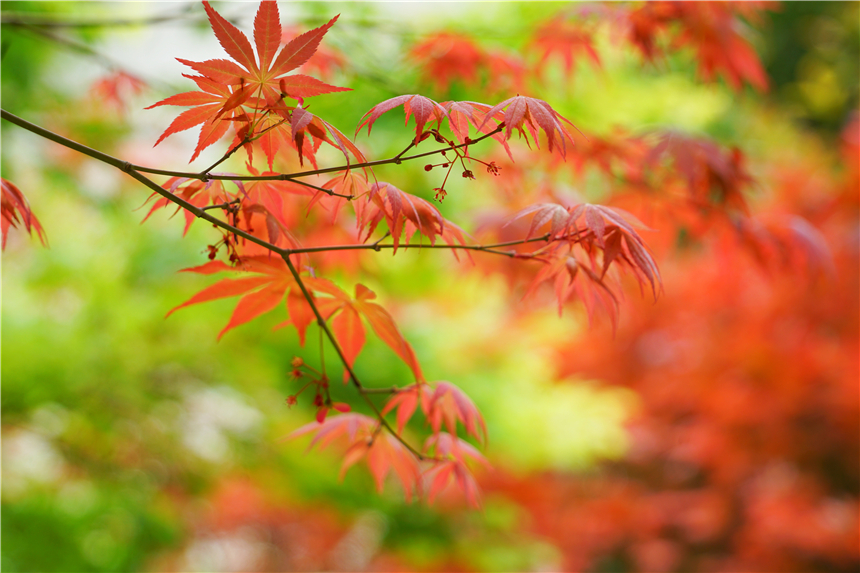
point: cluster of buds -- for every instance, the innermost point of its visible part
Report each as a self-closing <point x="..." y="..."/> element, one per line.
<point x="226" y="242"/>
<point x="322" y="398"/>
<point x="441" y="193"/>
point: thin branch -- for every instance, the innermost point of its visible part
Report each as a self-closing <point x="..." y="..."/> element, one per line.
<point x="361" y="389"/>
<point x="292" y="176"/>
<point x="485" y="248"/>
<point x="70" y="43"/>
<point x="391" y="390"/>
<point x="29" y="19"/>
<point x="221" y="205"/>
<point x="224" y="157"/>
<point x="328" y="192"/>
<point x="127" y="167"/>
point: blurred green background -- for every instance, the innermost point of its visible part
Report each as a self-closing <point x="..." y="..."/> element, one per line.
<point x="128" y="438"/>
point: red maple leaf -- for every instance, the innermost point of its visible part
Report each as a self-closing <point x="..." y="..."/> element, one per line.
<point x="423" y="109"/>
<point x="452" y="454"/>
<point x="714" y="176"/>
<point x="535" y="115"/>
<point x="593" y="228"/>
<point x="406" y="400"/>
<point x="405" y="213"/>
<point x="448" y="404"/>
<point x="257" y="81"/>
<point x="15" y="209"/>
<point x="445" y="57"/>
<point x="195" y="192"/>
<point x="564" y="40"/>
<point x="712" y="29"/>
<point x="347" y="325"/>
<point x="383" y="452"/>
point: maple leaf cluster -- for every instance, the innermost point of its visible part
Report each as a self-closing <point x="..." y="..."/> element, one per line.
<point x="575" y="249"/>
<point x="584" y="245"/>
<point x="249" y="93"/>
<point x="746" y="420"/>
<point x="714" y="31"/>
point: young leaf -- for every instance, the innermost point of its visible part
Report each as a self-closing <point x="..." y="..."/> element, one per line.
<point x="424" y="110"/>
<point x="15" y="209"/>
<point x="195" y="192"/>
<point x="406" y="213"/>
<point x="406" y="400"/>
<point x="533" y="114"/>
<point x="383" y="452"/>
<point x="449" y="404"/>
<point x="452" y="455"/>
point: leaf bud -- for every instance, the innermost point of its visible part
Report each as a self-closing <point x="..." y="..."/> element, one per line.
<point x="321" y="414"/>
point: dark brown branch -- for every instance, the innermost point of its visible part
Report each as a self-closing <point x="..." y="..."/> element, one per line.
<point x="127" y="167"/>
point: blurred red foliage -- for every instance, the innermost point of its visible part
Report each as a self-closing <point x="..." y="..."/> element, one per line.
<point x="744" y="446"/>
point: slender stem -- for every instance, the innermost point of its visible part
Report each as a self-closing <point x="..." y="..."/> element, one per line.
<point x="221" y="205"/>
<point x="328" y="192"/>
<point x="407" y="148"/>
<point x="487" y="248"/>
<point x="225" y="157"/>
<point x="361" y="389"/>
<point x="322" y="353"/>
<point x="392" y="390"/>
<point x="292" y="176"/>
